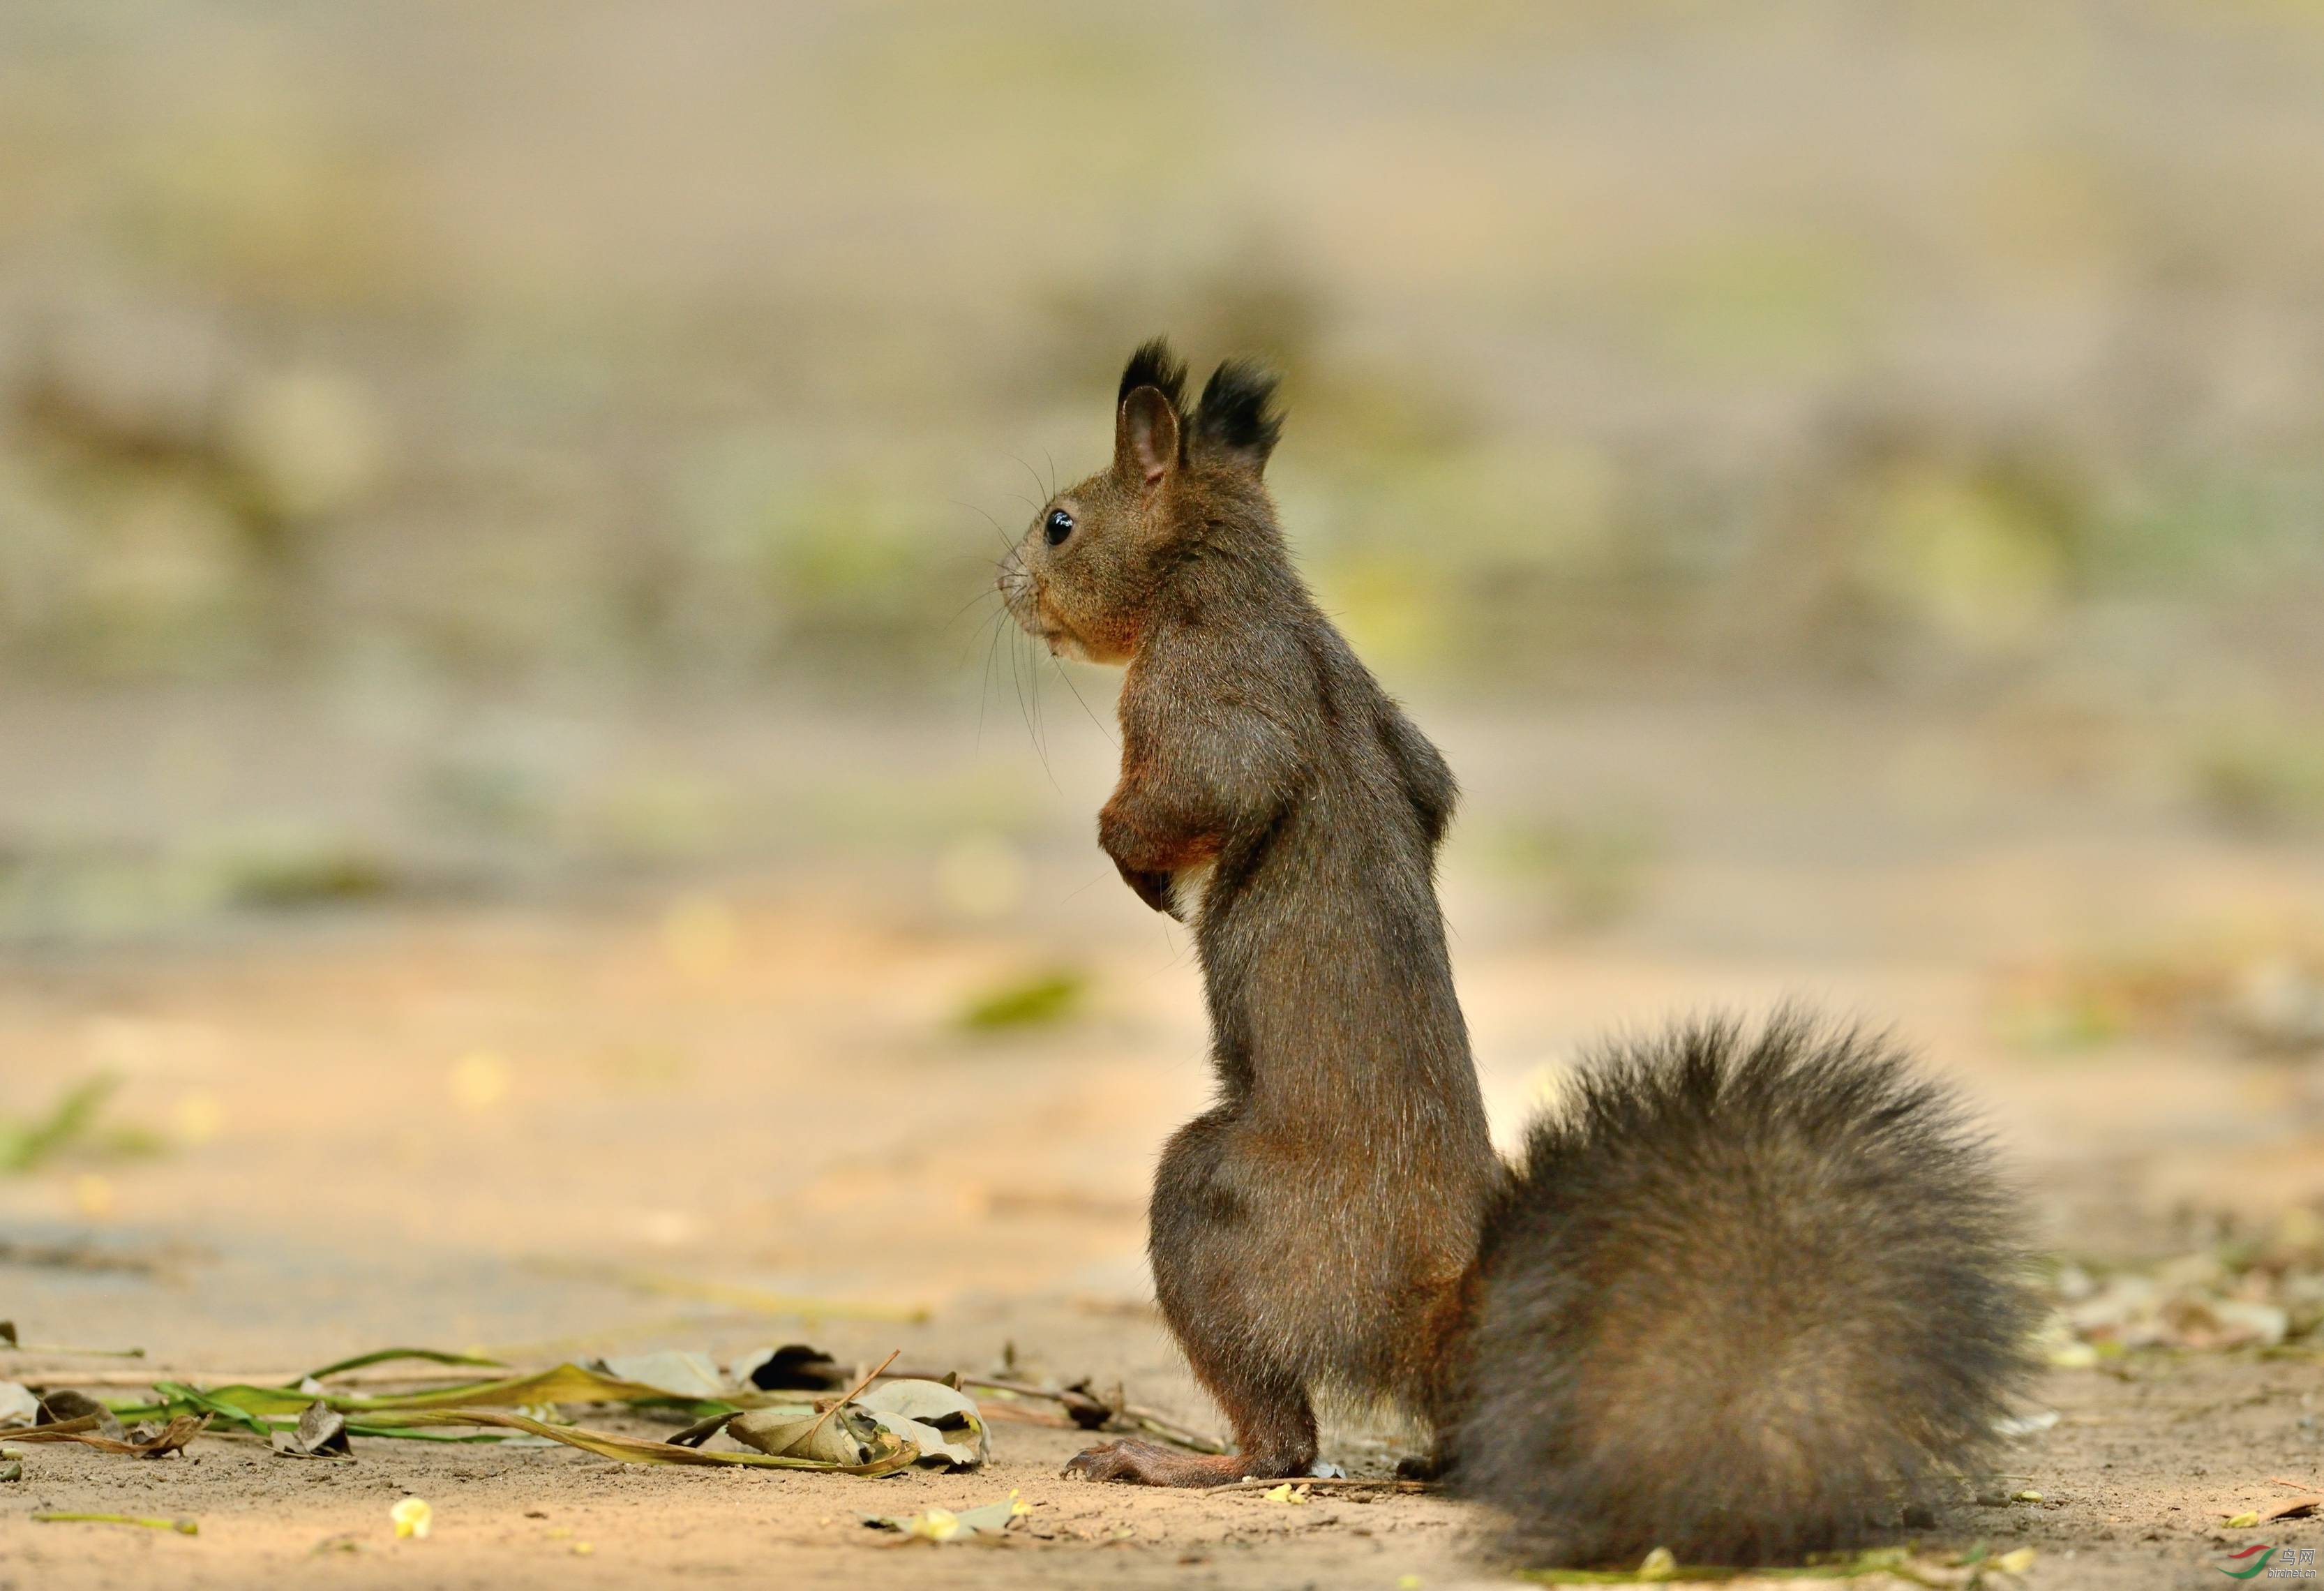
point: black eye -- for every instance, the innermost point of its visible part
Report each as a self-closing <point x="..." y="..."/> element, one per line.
<point x="1057" y="526"/>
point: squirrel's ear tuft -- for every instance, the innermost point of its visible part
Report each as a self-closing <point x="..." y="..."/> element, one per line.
<point x="1154" y="366"/>
<point x="1237" y="417"/>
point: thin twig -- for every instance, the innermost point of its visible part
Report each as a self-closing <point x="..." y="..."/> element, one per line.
<point x="176" y="1435"/>
<point x="60" y="1350"/>
<point x="1170" y="1430"/>
<point x="1070" y="1397"/>
<point x="755" y="1299"/>
<point x="1130" y="1416"/>
<point x="853" y="1394"/>
<point x="1337" y="1483"/>
<point x="2277" y="1480"/>
<point x="1017" y="1414"/>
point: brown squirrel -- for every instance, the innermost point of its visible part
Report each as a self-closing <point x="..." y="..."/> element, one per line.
<point x="1747" y="1295"/>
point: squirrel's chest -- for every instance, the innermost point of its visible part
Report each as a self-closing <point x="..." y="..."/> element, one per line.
<point x="1189" y="888"/>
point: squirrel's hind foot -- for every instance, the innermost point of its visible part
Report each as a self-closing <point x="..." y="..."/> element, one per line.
<point x="1145" y="1464"/>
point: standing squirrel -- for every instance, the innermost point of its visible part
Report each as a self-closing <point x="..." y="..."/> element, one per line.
<point x="1746" y="1295"/>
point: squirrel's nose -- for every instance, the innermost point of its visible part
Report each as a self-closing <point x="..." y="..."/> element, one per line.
<point x="1015" y="583"/>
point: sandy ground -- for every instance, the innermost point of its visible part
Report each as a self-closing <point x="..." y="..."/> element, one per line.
<point x="553" y="1131"/>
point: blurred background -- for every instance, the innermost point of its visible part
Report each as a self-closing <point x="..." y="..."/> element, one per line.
<point x="497" y="665"/>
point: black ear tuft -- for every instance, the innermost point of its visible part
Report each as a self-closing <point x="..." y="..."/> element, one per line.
<point x="1238" y="416"/>
<point x="1155" y="366"/>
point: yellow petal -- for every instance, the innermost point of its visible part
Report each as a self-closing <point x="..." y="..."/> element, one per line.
<point x="412" y="1517"/>
<point x="197" y="1117"/>
<point x="2014" y="1563"/>
<point x="2242" y="1521"/>
<point x="701" y="937"/>
<point x="479" y="1081"/>
<point x="938" y="1524"/>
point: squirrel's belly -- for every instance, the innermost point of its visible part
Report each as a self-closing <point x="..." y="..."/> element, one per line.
<point x="1188" y="886"/>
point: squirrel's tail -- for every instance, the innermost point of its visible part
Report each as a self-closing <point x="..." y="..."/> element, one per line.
<point x="1746" y="1297"/>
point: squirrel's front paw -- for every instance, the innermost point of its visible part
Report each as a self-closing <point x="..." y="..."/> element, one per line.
<point x="1153" y="888"/>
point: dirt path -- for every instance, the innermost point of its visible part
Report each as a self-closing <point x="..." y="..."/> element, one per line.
<point x="2134" y="1483"/>
<point x="552" y="1133"/>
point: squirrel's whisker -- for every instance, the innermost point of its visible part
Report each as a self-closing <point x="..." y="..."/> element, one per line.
<point x="1076" y="690"/>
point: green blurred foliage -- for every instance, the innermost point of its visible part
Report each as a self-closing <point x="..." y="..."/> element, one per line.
<point x="2263" y="780"/>
<point x="1591" y="873"/>
<point x="65" y="891"/>
<point x="1041" y="999"/>
<point x="1623" y="342"/>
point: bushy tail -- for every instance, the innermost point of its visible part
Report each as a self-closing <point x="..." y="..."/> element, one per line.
<point x="1748" y="1297"/>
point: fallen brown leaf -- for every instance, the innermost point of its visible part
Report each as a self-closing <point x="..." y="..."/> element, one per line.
<point x="145" y="1442"/>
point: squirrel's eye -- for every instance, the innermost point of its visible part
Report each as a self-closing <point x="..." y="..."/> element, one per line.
<point x="1057" y="526"/>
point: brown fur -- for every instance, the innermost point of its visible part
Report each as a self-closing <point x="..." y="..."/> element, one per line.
<point x="1741" y="1300"/>
<point x="1314" y="1227"/>
<point x="1751" y="1293"/>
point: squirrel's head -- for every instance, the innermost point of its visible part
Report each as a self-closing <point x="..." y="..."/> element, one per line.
<point x="1100" y="555"/>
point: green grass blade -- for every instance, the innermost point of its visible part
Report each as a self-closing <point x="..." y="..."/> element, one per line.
<point x="184" y="1527"/>
<point x="389" y="1355"/>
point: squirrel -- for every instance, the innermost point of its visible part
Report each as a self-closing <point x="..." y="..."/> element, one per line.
<point x="1749" y="1295"/>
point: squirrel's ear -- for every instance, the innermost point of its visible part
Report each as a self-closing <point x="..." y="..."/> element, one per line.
<point x="1146" y="436"/>
<point x="1145" y="429"/>
<point x="1236" y="421"/>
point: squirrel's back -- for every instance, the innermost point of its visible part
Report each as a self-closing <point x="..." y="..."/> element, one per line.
<point x="1746" y="1295"/>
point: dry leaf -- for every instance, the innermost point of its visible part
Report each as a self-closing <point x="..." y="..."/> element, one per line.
<point x="895" y="1456"/>
<point x="63" y="1406"/>
<point x="679" y="1374"/>
<point x="321" y="1433"/>
<point x="940" y="1524"/>
<point x="847" y="1436"/>
<point x="794" y="1367"/>
<point x="942" y="1421"/>
<point x="18" y="1406"/>
<point x="564" y="1383"/>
